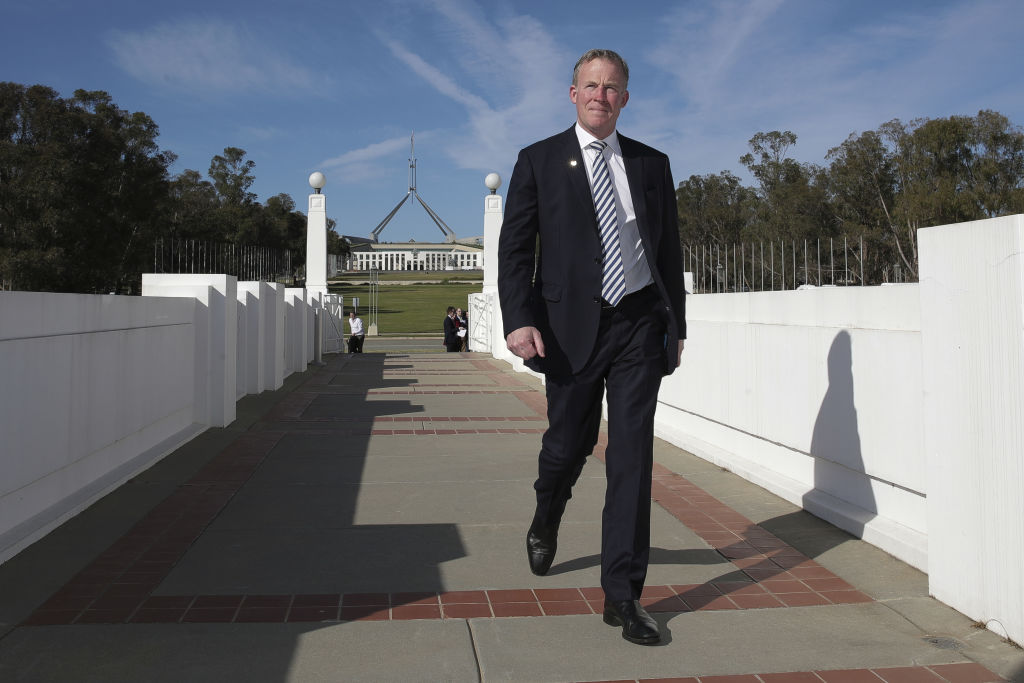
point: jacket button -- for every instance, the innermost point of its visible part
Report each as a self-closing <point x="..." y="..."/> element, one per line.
<point x="597" y="260"/>
<point x="597" y="299"/>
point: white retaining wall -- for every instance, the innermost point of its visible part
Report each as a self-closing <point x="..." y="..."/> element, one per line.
<point x="95" y="389"/>
<point x="895" y="412"/>
<point x="814" y="395"/>
<point x="972" y="311"/>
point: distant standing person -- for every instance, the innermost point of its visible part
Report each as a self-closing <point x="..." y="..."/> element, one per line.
<point x="452" y="342"/>
<point x="355" y="326"/>
<point x="463" y="328"/>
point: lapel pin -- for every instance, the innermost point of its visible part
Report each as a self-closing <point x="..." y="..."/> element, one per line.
<point x="572" y="162"/>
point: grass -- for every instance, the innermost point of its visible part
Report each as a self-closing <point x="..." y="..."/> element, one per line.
<point x="408" y="309"/>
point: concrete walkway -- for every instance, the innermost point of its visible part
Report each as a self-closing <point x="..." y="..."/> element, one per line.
<point x="367" y="522"/>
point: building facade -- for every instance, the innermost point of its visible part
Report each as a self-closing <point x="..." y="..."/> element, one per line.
<point x="416" y="256"/>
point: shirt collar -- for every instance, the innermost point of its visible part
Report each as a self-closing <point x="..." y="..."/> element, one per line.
<point x="585" y="138"/>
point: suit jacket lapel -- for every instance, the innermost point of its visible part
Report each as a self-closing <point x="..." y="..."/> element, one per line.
<point x="578" y="171"/>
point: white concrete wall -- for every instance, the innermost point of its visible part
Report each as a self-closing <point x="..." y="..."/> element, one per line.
<point x="972" y="318"/>
<point x="251" y="363"/>
<point x="94" y="389"/>
<point x="78" y="410"/>
<point x="272" y="296"/>
<point x="216" y="329"/>
<point x="894" y="412"/>
<point x="298" y="330"/>
<point x="814" y="395"/>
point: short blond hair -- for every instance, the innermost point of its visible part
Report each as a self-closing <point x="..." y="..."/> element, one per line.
<point x="610" y="55"/>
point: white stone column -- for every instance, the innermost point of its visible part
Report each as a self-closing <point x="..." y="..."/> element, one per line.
<point x="972" y="355"/>
<point x="272" y="301"/>
<point x="216" y="338"/>
<point x="251" y="311"/>
<point x="493" y="217"/>
<point x="298" y="326"/>
<point x="316" y="244"/>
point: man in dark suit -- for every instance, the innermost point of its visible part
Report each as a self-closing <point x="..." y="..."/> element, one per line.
<point x="452" y="341"/>
<point x="596" y="304"/>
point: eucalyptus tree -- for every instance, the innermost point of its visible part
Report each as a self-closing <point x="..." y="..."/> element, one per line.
<point x="893" y="181"/>
<point x="714" y="209"/>
<point x="82" y="184"/>
<point x="791" y="202"/>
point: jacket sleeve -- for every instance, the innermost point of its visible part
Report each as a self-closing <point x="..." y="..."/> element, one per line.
<point x="517" y="247"/>
<point x="670" y="256"/>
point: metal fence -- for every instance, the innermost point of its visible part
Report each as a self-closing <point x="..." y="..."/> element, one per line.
<point x="766" y="266"/>
<point x="246" y="262"/>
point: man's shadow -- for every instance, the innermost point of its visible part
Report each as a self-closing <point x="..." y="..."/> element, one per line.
<point x="841" y="503"/>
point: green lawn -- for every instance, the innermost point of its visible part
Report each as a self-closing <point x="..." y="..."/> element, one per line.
<point x="408" y="309"/>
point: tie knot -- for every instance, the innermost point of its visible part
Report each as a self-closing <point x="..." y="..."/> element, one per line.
<point x="598" y="145"/>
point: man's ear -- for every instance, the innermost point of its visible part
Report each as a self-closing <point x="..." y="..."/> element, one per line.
<point x="572" y="94"/>
<point x="625" y="98"/>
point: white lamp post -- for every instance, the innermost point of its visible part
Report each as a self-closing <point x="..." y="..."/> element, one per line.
<point x="492" y="226"/>
<point x="316" y="237"/>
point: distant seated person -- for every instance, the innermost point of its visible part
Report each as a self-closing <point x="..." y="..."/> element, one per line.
<point x="355" y="340"/>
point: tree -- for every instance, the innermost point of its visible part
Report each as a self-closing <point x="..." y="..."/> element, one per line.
<point x="792" y="200"/>
<point x="714" y="209"/>
<point x="191" y="205"/>
<point x="891" y="182"/>
<point x="861" y="185"/>
<point x="232" y="177"/>
<point x="82" y="183"/>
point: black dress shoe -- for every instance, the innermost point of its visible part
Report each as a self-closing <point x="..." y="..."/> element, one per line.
<point x="637" y="625"/>
<point x="540" y="548"/>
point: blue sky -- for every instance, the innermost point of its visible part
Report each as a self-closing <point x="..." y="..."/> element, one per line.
<point x="339" y="86"/>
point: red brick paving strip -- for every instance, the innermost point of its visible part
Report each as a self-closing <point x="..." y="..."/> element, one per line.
<point x="965" y="672"/>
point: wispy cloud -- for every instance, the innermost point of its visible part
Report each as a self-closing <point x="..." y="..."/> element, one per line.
<point x="208" y="57"/>
<point x="358" y="164"/>
<point x="745" y="66"/>
<point x="440" y="81"/>
<point x="509" y="101"/>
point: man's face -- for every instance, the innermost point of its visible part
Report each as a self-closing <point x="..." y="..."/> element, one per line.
<point x="599" y="95"/>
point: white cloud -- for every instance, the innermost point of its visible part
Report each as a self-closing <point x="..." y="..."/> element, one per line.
<point x="207" y="56"/>
<point x="521" y="76"/>
<point x="747" y="66"/>
<point x="358" y="164"/>
<point x="440" y="82"/>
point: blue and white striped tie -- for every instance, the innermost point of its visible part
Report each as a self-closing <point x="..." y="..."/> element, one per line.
<point x="613" y="280"/>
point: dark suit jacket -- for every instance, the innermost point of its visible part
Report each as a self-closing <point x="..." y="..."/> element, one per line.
<point x="450" y="331"/>
<point x="559" y="291"/>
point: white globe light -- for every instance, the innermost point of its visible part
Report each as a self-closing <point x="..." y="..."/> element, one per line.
<point x="317" y="180"/>
<point x="492" y="181"/>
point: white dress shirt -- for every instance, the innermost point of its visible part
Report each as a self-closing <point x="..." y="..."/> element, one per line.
<point x="637" y="272"/>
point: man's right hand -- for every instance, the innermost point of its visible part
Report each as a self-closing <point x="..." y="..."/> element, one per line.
<point x="525" y="342"/>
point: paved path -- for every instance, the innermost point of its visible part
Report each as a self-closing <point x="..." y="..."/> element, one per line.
<point x="367" y="522"/>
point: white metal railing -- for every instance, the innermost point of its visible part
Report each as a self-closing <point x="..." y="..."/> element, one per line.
<point x="334" y="323"/>
<point x="481" y="313"/>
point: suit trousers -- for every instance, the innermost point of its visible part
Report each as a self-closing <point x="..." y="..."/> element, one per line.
<point x="628" y="362"/>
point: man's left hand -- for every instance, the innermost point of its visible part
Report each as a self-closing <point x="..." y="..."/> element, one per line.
<point x="679" y="356"/>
